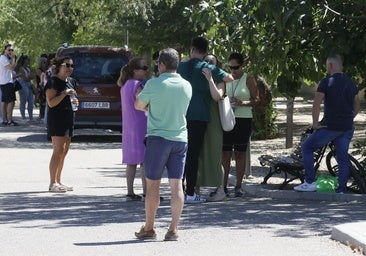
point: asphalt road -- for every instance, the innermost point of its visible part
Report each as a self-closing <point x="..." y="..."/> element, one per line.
<point x="95" y="219"/>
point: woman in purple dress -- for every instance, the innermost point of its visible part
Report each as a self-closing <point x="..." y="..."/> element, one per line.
<point x="134" y="122"/>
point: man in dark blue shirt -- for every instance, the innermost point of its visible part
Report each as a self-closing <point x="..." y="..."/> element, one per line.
<point x="341" y="105"/>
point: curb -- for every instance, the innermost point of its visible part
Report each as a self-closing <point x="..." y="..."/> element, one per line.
<point x="259" y="190"/>
<point x="352" y="235"/>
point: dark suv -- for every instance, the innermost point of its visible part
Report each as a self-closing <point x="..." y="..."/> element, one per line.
<point x="96" y="69"/>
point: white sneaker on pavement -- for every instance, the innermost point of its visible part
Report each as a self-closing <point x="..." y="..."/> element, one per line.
<point x="195" y="199"/>
<point x="306" y="187"/>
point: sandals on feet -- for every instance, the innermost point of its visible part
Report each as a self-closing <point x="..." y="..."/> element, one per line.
<point x="142" y="234"/>
<point x="171" y="236"/>
<point x="57" y="188"/>
<point x="68" y="188"/>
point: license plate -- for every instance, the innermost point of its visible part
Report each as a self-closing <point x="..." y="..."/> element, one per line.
<point x="97" y="105"/>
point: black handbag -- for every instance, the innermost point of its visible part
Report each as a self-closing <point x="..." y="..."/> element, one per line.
<point x="17" y="85"/>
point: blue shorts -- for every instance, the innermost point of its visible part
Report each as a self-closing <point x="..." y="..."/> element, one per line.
<point x="8" y="93"/>
<point x="161" y="153"/>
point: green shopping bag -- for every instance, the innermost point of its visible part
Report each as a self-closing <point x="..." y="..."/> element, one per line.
<point x="326" y="183"/>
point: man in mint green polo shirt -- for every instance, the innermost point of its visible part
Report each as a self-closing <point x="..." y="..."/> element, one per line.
<point x="166" y="99"/>
<point x="198" y="114"/>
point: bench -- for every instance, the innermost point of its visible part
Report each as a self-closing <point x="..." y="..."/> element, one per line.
<point x="292" y="165"/>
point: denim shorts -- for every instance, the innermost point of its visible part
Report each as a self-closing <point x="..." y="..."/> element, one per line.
<point x="161" y="153"/>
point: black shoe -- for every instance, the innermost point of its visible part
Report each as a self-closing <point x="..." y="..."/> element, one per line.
<point x="12" y="123"/>
<point x="5" y="123"/>
<point x="133" y="197"/>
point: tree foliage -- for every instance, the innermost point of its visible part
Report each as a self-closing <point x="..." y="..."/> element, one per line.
<point x="32" y="27"/>
<point x="284" y="38"/>
<point x="287" y="41"/>
<point x="38" y="26"/>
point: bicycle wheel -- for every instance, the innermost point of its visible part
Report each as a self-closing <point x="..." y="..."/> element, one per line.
<point x="332" y="164"/>
<point x="357" y="180"/>
<point x="359" y="176"/>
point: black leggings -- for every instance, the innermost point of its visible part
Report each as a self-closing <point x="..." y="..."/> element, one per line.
<point x="196" y="134"/>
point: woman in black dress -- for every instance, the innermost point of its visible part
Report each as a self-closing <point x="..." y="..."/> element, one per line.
<point x="60" y="118"/>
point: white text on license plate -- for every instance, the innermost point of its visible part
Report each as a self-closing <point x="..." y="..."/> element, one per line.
<point x="102" y="105"/>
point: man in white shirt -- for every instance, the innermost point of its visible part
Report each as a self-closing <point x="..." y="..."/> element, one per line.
<point x="7" y="65"/>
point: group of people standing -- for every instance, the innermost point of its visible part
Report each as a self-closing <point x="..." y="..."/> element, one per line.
<point x="210" y="150"/>
<point x="184" y="135"/>
<point x="171" y="122"/>
<point x="18" y="70"/>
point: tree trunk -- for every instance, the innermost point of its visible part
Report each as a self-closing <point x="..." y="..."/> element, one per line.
<point x="289" y="122"/>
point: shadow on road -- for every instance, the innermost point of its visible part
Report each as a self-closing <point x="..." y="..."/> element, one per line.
<point x="64" y="210"/>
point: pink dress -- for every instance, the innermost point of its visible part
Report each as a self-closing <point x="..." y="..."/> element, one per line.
<point x="134" y="124"/>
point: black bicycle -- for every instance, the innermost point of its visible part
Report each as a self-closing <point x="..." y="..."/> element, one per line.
<point x="357" y="179"/>
<point x="294" y="165"/>
<point x="357" y="174"/>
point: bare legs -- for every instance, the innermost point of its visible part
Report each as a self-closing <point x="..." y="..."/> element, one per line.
<point x="60" y="149"/>
<point x="239" y="166"/>
<point x="7" y="111"/>
<point x="153" y="200"/>
<point x="143" y="178"/>
<point x="130" y="178"/>
<point x="176" y="202"/>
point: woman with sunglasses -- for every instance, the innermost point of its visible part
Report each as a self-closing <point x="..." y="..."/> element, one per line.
<point x="243" y="93"/>
<point x="60" y="118"/>
<point x="134" y="123"/>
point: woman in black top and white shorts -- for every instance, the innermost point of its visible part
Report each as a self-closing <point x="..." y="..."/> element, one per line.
<point x="60" y="118"/>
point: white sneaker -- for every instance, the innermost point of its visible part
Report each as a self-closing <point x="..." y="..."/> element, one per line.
<point x="216" y="196"/>
<point x="306" y="187"/>
<point x="195" y="199"/>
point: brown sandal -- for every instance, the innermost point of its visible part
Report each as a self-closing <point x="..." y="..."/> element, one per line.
<point x="171" y="236"/>
<point x="142" y="234"/>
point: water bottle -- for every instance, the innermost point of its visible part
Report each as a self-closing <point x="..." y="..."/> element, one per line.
<point x="73" y="104"/>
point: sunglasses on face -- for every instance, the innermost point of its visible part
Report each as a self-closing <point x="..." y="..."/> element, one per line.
<point x="68" y="65"/>
<point x="142" y="68"/>
<point x="235" y="67"/>
<point x="10" y="50"/>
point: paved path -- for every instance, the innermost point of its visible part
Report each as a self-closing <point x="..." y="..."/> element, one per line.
<point x="95" y="219"/>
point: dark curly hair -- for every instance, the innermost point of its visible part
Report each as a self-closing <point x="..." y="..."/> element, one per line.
<point x="57" y="62"/>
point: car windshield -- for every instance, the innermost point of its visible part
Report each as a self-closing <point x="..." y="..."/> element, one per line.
<point x="98" y="67"/>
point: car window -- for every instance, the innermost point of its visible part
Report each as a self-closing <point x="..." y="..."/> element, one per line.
<point x="97" y="67"/>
